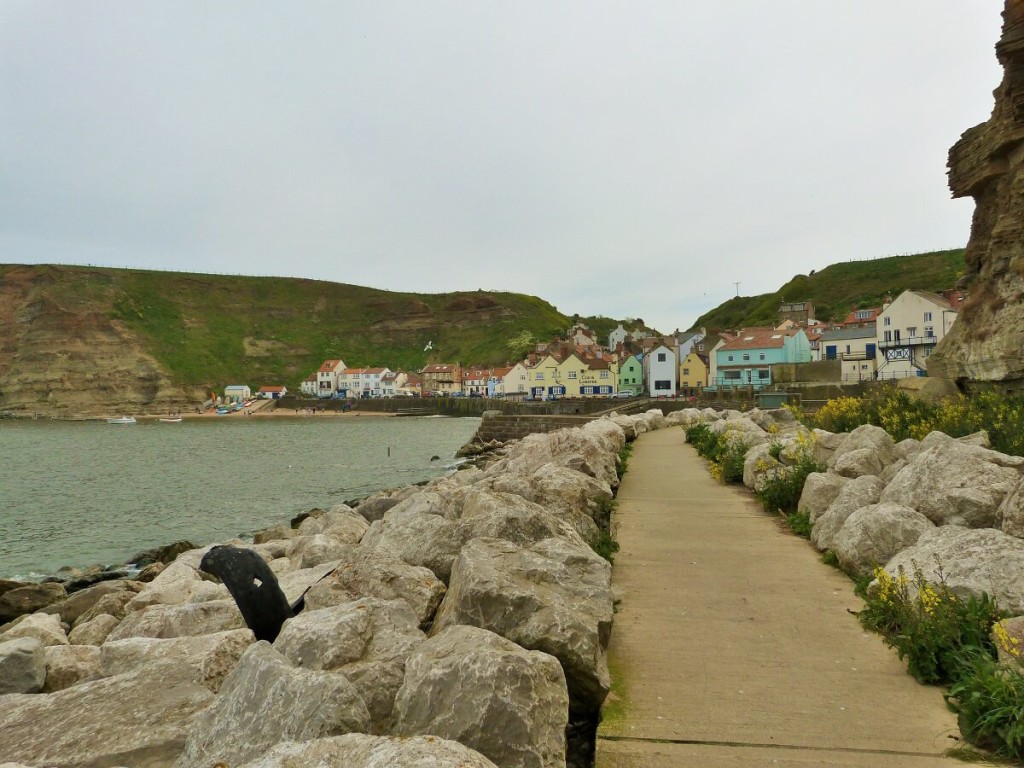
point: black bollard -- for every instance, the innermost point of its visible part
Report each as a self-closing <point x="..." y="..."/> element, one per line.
<point x="253" y="586"/>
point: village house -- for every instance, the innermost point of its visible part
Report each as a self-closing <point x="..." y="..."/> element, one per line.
<point x="391" y="383"/>
<point x="496" y="381"/>
<point x="907" y="331"/>
<point x="747" y="359"/>
<point x="327" y="377"/>
<point x="474" y="381"/>
<point x="237" y="393"/>
<point x="631" y="373"/>
<point x="660" y="371"/>
<point x="690" y="341"/>
<point x="717" y="342"/>
<point x="308" y="386"/>
<point x="855" y="347"/>
<point x="515" y="383"/>
<point x="412" y="386"/>
<point x="441" y="379"/>
<point x="581" y="336"/>
<point x="693" y="373"/>
<point x="271" y="393"/>
<point x="800" y="312"/>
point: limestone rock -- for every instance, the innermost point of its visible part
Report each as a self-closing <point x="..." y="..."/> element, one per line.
<point x="867" y="450"/>
<point x="908" y="449"/>
<point x="78" y="603"/>
<point x="307" y="551"/>
<point x="1011" y="512"/>
<point x="274" y="533"/>
<point x="373" y="507"/>
<point x="163" y="621"/>
<point x="474" y="687"/>
<point x="113" y="604"/>
<point x="820" y="490"/>
<point x="29" y="599"/>
<point x="136" y="719"/>
<point x="551" y="596"/>
<point x="826" y="444"/>
<point x="22" y="668"/>
<point x="364" y="573"/>
<point x="859" y="492"/>
<point x="265" y="701"/>
<point x="344" y="524"/>
<point x="973" y="561"/>
<point x="212" y="656"/>
<point x="368" y="641"/>
<point x="591" y="452"/>
<point x="94" y="631"/>
<point x="873" y="535"/>
<point x="890" y="472"/>
<point x="180" y="582"/>
<point x="45" y="628"/>
<point x="360" y="750"/>
<point x="953" y="483"/>
<point x="758" y="466"/>
<point x="68" y="665"/>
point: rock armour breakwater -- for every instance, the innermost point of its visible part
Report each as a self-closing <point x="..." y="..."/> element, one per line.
<point x="463" y="622"/>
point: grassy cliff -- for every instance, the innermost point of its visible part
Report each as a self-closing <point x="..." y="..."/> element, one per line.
<point x="839" y="288"/>
<point x="203" y="331"/>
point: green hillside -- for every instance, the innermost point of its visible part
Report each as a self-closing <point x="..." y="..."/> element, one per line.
<point x="837" y="289"/>
<point x="208" y="330"/>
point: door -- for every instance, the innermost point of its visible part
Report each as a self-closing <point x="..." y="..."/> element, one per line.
<point x="869" y="349"/>
<point x="830" y="352"/>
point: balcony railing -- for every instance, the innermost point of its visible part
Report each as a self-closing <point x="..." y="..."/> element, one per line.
<point x="908" y="341"/>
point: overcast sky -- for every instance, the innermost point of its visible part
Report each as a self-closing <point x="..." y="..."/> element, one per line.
<point x="619" y="158"/>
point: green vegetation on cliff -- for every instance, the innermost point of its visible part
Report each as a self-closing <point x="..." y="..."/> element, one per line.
<point x="209" y="330"/>
<point x="837" y="289"/>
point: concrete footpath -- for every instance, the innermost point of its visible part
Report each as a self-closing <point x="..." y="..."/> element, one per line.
<point x="733" y="644"/>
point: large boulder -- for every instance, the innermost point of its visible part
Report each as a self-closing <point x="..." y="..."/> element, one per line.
<point x="474" y="687"/>
<point x="551" y="596"/>
<point x="1011" y="512"/>
<point x="433" y="539"/>
<point x="68" y="665"/>
<point x="264" y="701"/>
<point x="344" y="524"/>
<point x="825" y="444"/>
<point x="820" y="490"/>
<point x="867" y="450"/>
<point x="212" y="656"/>
<point x="858" y="492"/>
<point x="873" y="535"/>
<point x="22" y="667"/>
<point x="274" y="533"/>
<point x="367" y="640"/>
<point x="29" y="599"/>
<point x="972" y="562"/>
<point x="360" y="750"/>
<point x="78" y="603"/>
<point x="590" y="450"/>
<point x="307" y="551"/>
<point x="759" y="465"/>
<point x="45" y="628"/>
<point x="180" y="582"/>
<point x="374" y="506"/>
<point x="113" y="604"/>
<point x="94" y="631"/>
<point x="135" y="719"/>
<point x="163" y="621"/>
<point x="364" y="573"/>
<point x="954" y="483"/>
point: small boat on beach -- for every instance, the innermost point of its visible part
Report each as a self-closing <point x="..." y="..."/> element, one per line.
<point x="170" y="420"/>
<point x="122" y="420"/>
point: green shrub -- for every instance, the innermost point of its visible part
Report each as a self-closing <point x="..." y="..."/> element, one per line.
<point x="623" y="461"/>
<point x="781" y="490"/>
<point x="703" y="440"/>
<point x="730" y="461"/>
<point x="799" y="523"/>
<point x="606" y="546"/>
<point x="989" y="699"/>
<point x="934" y="631"/>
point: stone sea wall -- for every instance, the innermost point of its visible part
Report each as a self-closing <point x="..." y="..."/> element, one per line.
<point x="459" y="623"/>
<point x="937" y="503"/>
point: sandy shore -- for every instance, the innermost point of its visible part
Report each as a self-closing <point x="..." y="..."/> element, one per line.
<point x="269" y="413"/>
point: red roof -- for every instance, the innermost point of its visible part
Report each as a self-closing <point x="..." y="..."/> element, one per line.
<point x="272" y="389"/>
<point x="329" y="366"/>
<point x="758" y="338"/>
<point x="447" y="368"/>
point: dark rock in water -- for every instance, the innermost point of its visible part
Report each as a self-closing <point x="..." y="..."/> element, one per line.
<point x="374" y="507"/>
<point x="253" y="586"/>
<point x="165" y="554"/>
<point x="297" y="520"/>
<point x="6" y="585"/>
<point x="89" y="580"/>
<point x="435" y="458"/>
<point x="29" y="599"/>
<point x="150" y="572"/>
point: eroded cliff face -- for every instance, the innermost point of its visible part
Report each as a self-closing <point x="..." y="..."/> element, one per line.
<point x="986" y="345"/>
<point x="62" y="355"/>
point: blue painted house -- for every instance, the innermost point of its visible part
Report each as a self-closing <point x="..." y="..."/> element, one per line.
<point x="746" y="360"/>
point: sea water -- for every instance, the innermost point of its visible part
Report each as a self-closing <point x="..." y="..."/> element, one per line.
<point x="77" y="494"/>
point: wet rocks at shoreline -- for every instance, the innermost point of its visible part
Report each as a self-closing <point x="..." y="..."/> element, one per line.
<point x="376" y="654"/>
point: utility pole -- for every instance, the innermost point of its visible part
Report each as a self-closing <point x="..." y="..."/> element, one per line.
<point x="737" y="289"/>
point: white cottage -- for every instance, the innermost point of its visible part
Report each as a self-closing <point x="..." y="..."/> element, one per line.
<point x="661" y="371"/>
<point x="907" y="331"/>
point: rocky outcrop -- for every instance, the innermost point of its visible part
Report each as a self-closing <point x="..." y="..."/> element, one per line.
<point x="986" y="344"/>
<point x="266" y="700"/>
<point x="68" y="665"/>
<point x="474" y="687"/>
<point x="867" y="450"/>
<point x="859" y="492"/>
<point x="359" y="750"/>
<point x="873" y="535"/>
<point x="22" y="666"/>
<point x="28" y="599"/>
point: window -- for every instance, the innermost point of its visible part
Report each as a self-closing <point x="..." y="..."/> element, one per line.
<point x="863" y="314"/>
<point x="847" y="349"/>
<point x="761" y="356"/>
<point x="911" y="332"/>
<point x="927" y="317"/>
<point x="888" y="334"/>
<point x="661" y="357"/>
<point x="762" y="373"/>
<point x="572" y="374"/>
<point x="686" y="371"/>
<point x="731" y="374"/>
<point x="540" y="376"/>
<point x="663" y="385"/>
<point x="746" y="357"/>
<point x="887" y="321"/>
<point x="730" y="358"/>
<point x="700" y="347"/>
<point x="604" y="374"/>
<point x="929" y="331"/>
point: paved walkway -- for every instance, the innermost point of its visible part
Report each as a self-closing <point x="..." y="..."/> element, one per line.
<point x="733" y="644"/>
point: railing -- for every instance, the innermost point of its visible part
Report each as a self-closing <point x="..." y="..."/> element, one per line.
<point x="909" y="341"/>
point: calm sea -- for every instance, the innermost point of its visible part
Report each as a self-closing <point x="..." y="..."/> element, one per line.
<point x="84" y="493"/>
